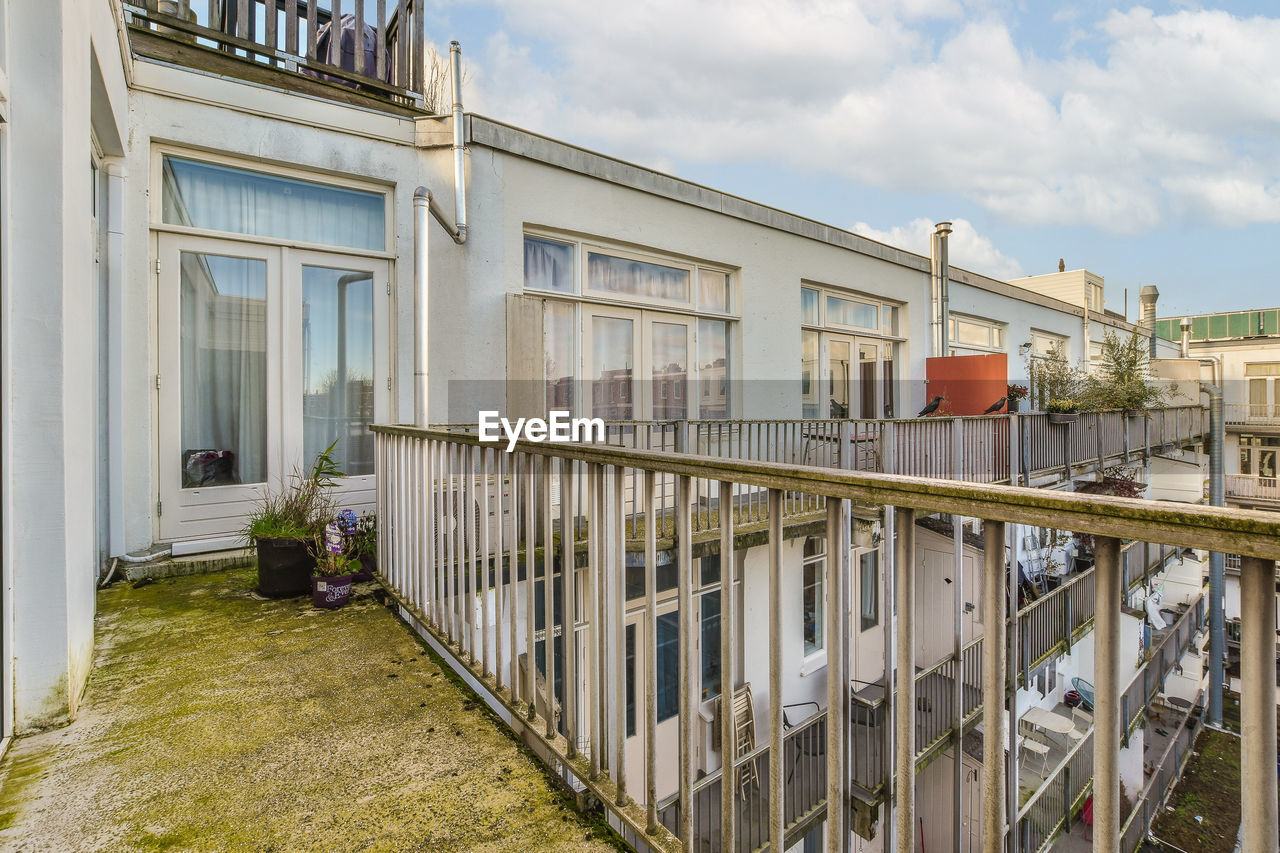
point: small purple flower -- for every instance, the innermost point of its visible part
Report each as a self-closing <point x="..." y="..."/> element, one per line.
<point x="333" y="539"/>
<point x="347" y="520"/>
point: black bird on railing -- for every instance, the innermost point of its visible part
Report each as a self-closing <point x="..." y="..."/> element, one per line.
<point x="931" y="408"/>
<point x="996" y="406"/>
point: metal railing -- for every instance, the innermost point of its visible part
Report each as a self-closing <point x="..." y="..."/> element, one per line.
<point x="297" y="36"/>
<point x="471" y="544"/>
<point x="1252" y="414"/>
<point x="1161" y="778"/>
<point x="1048" y="811"/>
<point x="1246" y="487"/>
<point x="972" y="449"/>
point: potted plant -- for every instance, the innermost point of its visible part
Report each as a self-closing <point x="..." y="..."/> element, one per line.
<point x="333" y="569"/>
<point x="1014" y="394"/>
<point x="364" y="546"/>
<point x="1062" y="411"/>
<point x="282" y="524"/>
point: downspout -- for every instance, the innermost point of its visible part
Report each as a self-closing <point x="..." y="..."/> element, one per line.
<point x="1217" y="497"/>
<point x="459" y="153"/>
<point x="421" y="281"/>
<point x="424" y="206"/>
<point x="935" y="300"/>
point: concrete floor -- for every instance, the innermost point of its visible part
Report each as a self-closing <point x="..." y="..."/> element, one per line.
<point x="215" y="720"/>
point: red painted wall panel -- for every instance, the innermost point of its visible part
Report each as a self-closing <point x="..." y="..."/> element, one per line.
<point x="968" y="384"/>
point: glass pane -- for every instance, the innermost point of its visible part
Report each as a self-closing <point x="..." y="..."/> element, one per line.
<point x="668" y="665"/>
<point x="1266" y="463"/>
<point x="867" y="358"/>
<point x="973" y="334"/>
<point x="337" y="366"/>
<point x="637" y="278"/>
<point x="548" y="265"/>
<point x="809" y="391"/>
<point x="713" y="369"/>
<point x="220" y="198"/>
<point x="224" y="370"/>
<point x="670" y="355"/>
<point x="813" y="619"/>
<point x="809" y="306"/>
<point x="839" y="373"/>
<point x="710" y="644"/>
<point x="869" y="592"/>
<point x="612" y="359"/>
<point x="557" y="340"/>
<point x="713" y="291"/>
<point x="842" y="312"/>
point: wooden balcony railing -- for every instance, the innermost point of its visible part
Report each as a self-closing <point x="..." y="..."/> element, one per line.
<point x="296" y="38"/>
<point x="473" y="539"/>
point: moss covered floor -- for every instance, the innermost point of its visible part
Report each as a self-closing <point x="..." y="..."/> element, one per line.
<point x="215" y="720"/>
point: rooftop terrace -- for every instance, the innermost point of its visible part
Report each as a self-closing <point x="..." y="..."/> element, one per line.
<point x="218" y="721"/>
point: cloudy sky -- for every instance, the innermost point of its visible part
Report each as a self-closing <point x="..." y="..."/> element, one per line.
<point x="1141" y="142"/>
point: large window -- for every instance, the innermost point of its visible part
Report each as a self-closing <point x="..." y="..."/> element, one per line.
<point x="650" y="337"/>
<point x="1044" y="343"/>
<point x="238" y="201"/>
<point x="1258" y="455"/>
<point x="814" y="569"/>
<point x="1263" y="380"/>
<point x="847" y="361"/>
<point x="971" y="335"/>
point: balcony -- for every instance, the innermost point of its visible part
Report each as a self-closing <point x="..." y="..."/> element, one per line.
<point x="973" y="449"/>
<point x="469" y="582"/>
<point x="1252" y="491"/>
<point x="1251" y="416"/>
<point x="286" y="44"/>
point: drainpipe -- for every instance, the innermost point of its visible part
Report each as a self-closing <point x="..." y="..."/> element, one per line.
<point x="459" y="166"/>
<point x="1217" y="636"/>
<point x="941" y="269"/>
<point x="421" y="281"/>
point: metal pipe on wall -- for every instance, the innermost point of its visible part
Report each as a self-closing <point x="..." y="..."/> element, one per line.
<point x="421" y="281"/>
<point x="459" y="152"/>
<point x="942" y="229"/>
<point x="1217" y="580"/>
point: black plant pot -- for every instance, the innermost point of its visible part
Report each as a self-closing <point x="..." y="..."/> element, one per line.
<point x="284" y="567"/>
<point x="368" y="565"/>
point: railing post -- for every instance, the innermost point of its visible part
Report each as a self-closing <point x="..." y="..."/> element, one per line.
<point x="688" y="696"/>
<point x="595" y="610"/>
<point x="904" y="723"/>
<point x="650" y="654"/>
<point x="548" y="593"/>
<point x="777" y="814"/>
<point x="728" y="679"/>
<point x="837" y="678"/>
<point x="618" y="599"/>
<point x="530" y="590"/>
<point x="993" y="688"/>
<point x="1106" y="678"/>
<point x="957" y="449"/>
<point x="569" y="600"/>
<point x="1258" y="703"/>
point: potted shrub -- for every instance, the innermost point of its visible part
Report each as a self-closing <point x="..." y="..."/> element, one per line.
<point x="1014" y="394"/>
<point x="333" y="569"/>
<point x="283" y="523"/>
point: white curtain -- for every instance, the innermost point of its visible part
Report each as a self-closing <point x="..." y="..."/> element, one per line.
<point x="224" y="369"/>
<point x="203" y="195"/>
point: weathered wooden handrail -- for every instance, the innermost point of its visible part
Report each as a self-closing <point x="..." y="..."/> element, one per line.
<point x="1238" y="531"/>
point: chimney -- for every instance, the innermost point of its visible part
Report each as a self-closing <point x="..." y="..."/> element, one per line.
<point x="1062" y="265"/>
<point x="1147" y="298"/>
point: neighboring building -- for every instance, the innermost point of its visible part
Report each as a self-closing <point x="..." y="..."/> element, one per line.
<point x="239" y="268"/>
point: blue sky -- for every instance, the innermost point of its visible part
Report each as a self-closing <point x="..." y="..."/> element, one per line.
<point x="1136" y="140"/>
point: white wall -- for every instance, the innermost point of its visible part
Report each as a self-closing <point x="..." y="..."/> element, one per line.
<point x="50" y="343"/>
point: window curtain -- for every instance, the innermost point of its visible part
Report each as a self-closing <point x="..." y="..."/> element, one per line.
<point x="224" y="370"/>
<point x="204" y="195"/>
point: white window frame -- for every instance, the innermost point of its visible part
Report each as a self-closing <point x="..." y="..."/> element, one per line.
<point x="1050" y="338"/>
<point x="296" y="172"/>
<point x="818" y="654"/>
<point x="643" y="312"/>
<point x="992" y="327"/>
<point x="887" y="311"/>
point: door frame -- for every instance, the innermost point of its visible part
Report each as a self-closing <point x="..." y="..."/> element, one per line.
<point x="208" y="518"/>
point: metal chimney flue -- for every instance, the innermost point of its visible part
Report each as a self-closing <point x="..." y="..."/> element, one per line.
<point x="459" y="151"/>
<point x="940" y="266"/>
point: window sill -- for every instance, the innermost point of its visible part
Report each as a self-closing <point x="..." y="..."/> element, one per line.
<point x="813" y="663"/>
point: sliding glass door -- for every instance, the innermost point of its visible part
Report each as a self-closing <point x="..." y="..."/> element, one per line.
<point x="267" y="355"/>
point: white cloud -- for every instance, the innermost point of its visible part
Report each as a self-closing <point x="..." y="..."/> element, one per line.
<point x="965" y="247"/>
<point x="1177" y="120"/>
